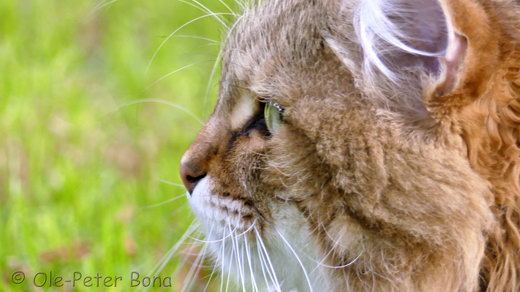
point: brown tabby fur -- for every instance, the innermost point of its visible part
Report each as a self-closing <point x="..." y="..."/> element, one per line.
<point x="427" y="194"/>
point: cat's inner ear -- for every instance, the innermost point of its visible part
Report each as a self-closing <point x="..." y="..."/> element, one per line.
<point x="432" y="37"/>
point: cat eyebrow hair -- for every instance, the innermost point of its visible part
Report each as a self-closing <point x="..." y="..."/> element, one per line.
<point x="256" y="122"/>
<point x="243" y="109"/>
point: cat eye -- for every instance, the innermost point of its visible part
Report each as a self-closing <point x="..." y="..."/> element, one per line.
<point x="273" y="115"/>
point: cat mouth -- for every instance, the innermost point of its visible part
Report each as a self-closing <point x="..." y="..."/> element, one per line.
<point x="223" y="212"/>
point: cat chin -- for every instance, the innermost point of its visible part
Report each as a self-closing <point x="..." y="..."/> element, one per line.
<point x="272" y="257"/>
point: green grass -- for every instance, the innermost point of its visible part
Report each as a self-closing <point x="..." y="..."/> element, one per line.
<point x="81" y="152"/>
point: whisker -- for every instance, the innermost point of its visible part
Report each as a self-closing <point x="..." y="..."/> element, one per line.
<point x="161" y="101"/>
<point x="320" y="263"/>
<point x="268" y="260"/>
<point x="206" y="9"/>
<point x="227" y="7"/>
<point x="170" y="74"/>
<point x="219" y="240"/>
<point x="240" y="252"/>
<point x="238" y="260"/>
<point x="265" y="267"/>
<point x="213" y="270"/>
<point x="171" y="183"/>
<point x="215" y="67"/>
<point x="189" y="277"/>
<point x="165" y="202"/>
<point x="335" y="242"/>
<point x="210" y="79"/>
<point x="342" y="266"/>
<point x="222" y="260"/>
<point x="250" y="264"/>
<point x="242" y="267"/>
<point x="262" y="264"/>
<point x="241" y="4"/>
<point x="230" y="265"/>
<point x="101" y="5"/>
<point x="297" y="258"/>
<point x="183" y="238"/>
<point x="173" y="33"/>
<point x="195" y="268"/>
<point x="167" y="257"/>
<point x="197" y="38"/>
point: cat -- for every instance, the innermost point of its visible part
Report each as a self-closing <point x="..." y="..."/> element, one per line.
<point x="365" y="145"/>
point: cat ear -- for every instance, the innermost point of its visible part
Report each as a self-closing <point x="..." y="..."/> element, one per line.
<point x="451" y="41"/>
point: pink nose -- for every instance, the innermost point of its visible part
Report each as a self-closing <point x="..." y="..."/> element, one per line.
<point x="191" y="175"/>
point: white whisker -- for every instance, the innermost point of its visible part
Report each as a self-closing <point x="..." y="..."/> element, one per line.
<point x="207" y="10"/>
<point x="169" y="74"/>
<point x="297" y="258"/>
<point x="195" y="268"/>
<point x="342" y="266"/>
<point x="241" y="4"/>
<point x="101" y="5"/>
<point x="250" y="264"/>
<point x="220" y="240"/>
<point x="166" y="202"/>
<point x="215" y="66"/>
<point x="222" y="260"/>
<point x="268" y="260"/>
<point x="166" y="258"/>
<point x="174" y="32"/>
<point x="197" y="38"/>
<point x="171" y="183"/>
<point x="242" y="266"/>
<point x="238" y="260"/>
<point x="229" y="269"/>
<point x="334" y="244"/>
<point x="213" y="270"/>
<point x="227" y="7"/>
<point x="161" y="101"/>
<point x="262" y="264"/>
<point x="210" y="79"/>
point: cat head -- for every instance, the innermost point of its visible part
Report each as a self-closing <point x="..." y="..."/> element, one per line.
<point x="365" y="145"/>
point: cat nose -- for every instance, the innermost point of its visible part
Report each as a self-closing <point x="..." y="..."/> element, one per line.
<point x="196" y="161"/>
<point x="191" y="175"/>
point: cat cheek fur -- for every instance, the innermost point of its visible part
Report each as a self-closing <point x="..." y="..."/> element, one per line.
<point x="234" y="204"/>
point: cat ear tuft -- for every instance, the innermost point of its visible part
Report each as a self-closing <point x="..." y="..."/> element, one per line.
<point x="397" y="33"/>
<point x="439" y="38"/>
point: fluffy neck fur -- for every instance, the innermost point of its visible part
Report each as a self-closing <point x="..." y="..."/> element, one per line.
<point x="484" y="111"/>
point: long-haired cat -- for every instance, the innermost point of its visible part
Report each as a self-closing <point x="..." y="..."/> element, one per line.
<point x="365" y="145"/>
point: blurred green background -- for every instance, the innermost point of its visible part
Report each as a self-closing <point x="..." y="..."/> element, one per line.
<point x="97" y="105"/>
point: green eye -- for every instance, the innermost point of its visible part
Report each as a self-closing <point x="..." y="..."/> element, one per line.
<point x="273" y="115"/>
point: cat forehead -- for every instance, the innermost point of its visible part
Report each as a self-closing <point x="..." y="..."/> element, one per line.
<point x="273" y="33"/>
